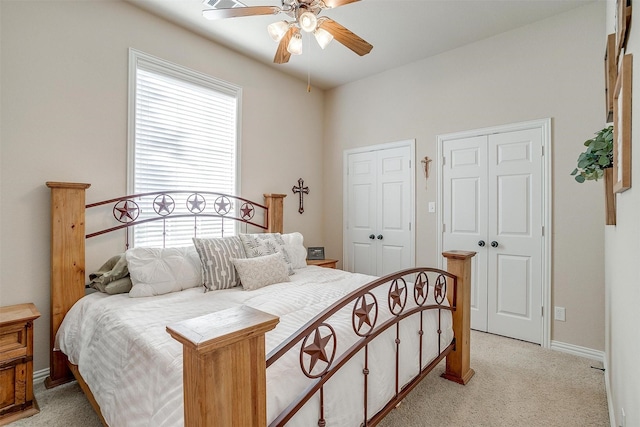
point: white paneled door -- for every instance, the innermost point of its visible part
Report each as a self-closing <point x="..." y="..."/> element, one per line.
<point x="493" y="204"/>
<point x="378" y="211"/>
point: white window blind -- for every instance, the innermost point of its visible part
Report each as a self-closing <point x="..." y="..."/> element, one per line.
<point x="183" y="136"/>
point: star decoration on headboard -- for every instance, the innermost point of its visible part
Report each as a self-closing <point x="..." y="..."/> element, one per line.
<point x="163" y="205"/>
<point x="128" y="211"/>
<point x="247" y="211"/>
<point x="196" y="203"/>
<point x="222" y="205"/>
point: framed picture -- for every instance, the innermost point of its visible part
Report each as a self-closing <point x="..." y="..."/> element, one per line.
<point x="315" y="253"/>
<point x="622" y="127"/>
<point x="623" y="19"/>
<point x="610" y="74"/>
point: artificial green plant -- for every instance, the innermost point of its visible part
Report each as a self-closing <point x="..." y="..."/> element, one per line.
<point x="597" y="157"/>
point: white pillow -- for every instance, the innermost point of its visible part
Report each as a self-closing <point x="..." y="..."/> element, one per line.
<point x="261" y="271"/>
<point x="293" y="243"/>
<point x="157" y="271"/>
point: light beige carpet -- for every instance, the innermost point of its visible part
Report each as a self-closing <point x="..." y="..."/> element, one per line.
<point x="516" y="384"/>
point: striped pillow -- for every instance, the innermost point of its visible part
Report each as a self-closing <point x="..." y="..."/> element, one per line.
<point x="218" y="271"/>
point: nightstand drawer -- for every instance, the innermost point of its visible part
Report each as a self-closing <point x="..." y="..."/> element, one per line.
<point x="16" y="362"/>
<point x="13" y="388"/>
<point x="13" y="340"/>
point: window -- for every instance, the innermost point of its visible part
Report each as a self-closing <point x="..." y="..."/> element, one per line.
<point x="183" y="135"/>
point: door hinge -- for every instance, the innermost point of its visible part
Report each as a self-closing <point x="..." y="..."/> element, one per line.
<point x="444" y="228"/>
<point x="543" y="230"/>
<point x="409" y="226"/>
<point x="542" y="150"/>
<point x="444" y="160"/>
<point x="542" y="311"/>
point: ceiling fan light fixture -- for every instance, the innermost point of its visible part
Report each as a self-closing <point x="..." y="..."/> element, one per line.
<point x="295" y="44"/>
<point x="323" y="37"/>
<point x="308" y="21"/>
<point x="277" y="30"/>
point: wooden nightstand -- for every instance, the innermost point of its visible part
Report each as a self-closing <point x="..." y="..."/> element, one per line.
<point x="16" y="362"/>
<point x="327" y="263"/>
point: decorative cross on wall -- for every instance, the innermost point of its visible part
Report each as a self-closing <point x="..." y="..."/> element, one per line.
<point x="301" y="190"/>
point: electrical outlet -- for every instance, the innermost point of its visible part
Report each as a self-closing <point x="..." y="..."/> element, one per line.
<point x="432" y="207"/>
<point x="559" y="314"/>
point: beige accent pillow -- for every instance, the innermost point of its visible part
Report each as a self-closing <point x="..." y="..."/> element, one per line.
<point x="262" y="271"/>
<point x="260" y="244"/>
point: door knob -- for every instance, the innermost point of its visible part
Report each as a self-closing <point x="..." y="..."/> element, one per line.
<point x="379" y="236"/>
<point x="481" y="243"/>
<point x="372" y="236"/>
<point x="494" y="244"/>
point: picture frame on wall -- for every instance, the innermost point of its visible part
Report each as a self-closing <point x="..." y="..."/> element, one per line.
<point x="610" y="74"/>
<point x="622" y="126"/>
<point x="623" y="19"/>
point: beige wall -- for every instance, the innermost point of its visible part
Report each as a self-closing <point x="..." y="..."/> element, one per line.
<point x="64" y="118"/>
<point x="63" y="113"/>
<point x="622" y="266"/>
<point x="552" y="68"/>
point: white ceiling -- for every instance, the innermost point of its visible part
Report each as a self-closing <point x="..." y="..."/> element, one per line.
<point x="401" y="31"/>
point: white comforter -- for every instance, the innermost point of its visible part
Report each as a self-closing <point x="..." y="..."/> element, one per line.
<point x="134" y="368"/>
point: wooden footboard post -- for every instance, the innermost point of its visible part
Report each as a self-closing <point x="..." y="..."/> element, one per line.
<point x="458" y="369"/>
<point x="225" y="367"/>
<point x="67" y="265"/>
<point x="275" y="212"/>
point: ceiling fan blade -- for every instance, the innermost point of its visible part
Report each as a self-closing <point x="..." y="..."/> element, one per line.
<point x="282" y="54"/>
<point x="240" y="11"/>
<point x="346" y="37"/>
<point x="335" y="3"/>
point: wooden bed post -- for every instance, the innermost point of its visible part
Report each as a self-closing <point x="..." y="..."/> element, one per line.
<point x="67" y="265"/>
<point x="224" y="367"/>
<point x="275" y="212"/>
<point x="458" y="369"/>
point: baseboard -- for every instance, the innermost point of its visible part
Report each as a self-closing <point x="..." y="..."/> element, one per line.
<point x="577" y="350"/>
<point x="40" y="375"/>
<point x="607" y="387"/>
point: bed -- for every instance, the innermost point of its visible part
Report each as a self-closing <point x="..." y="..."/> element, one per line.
<point x="325" y="347"/>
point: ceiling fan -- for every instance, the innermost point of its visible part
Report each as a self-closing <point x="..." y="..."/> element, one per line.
<point x="305" y="17"/>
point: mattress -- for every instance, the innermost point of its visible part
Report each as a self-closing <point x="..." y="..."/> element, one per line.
<point x="134" y="368"/>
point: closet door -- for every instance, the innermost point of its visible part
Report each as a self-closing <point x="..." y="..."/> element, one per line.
<point x="378" y="238"/>
<point x="515" y="229"/>
<point x="361" y="248"/>
<point x="393" y="210"/>
<point x="492" y="196"/>
<point x="465" y="214"/>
